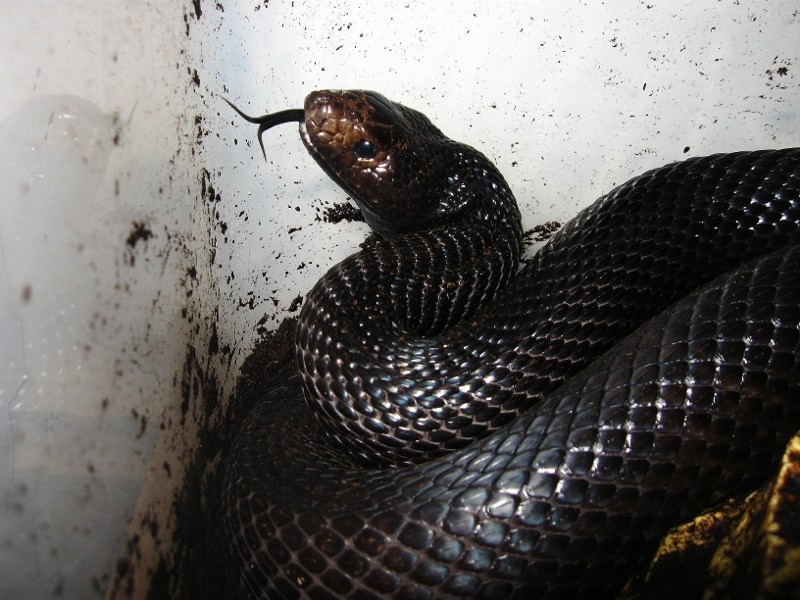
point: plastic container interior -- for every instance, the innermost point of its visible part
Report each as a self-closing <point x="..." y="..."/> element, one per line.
<point x="145" y="244"/>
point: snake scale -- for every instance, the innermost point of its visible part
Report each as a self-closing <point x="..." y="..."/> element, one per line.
<point x="461" y="426"/>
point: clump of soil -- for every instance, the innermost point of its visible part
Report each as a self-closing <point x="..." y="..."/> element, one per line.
<point x="342" y="211"/>
<point x="542" y="232"/>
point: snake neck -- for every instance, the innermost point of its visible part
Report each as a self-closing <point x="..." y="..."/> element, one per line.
<point x="429" y="273"/>
<point x="397" y="296"/>
<point x="476" y="192"/>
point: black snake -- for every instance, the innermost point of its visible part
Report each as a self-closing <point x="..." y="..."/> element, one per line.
<point x="432" y="351"/>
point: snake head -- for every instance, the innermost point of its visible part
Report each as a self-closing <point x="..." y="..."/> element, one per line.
<point x="387" y="157"/>
<point x="404" y="174"/>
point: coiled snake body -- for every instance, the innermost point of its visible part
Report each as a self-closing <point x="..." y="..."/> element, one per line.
<point x="668" y="309"/>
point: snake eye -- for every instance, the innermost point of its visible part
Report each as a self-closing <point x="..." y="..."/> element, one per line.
<point x="365" y="149"/>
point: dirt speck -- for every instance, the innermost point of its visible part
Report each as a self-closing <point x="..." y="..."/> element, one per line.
<point x="296" y="304"/>
<point x="139" y="231"/>
<point x="142" y="422"/>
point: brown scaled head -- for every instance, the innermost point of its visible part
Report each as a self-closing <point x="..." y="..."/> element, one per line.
<point x="381" y="153"/>
<point x="378" y="151"/>
<point x="352" y="133"/>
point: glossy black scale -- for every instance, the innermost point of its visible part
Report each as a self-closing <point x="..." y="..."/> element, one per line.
<point x="550" y="425"/>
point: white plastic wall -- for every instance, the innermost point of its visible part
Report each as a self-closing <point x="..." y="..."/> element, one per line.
<point x="143" y="240"/>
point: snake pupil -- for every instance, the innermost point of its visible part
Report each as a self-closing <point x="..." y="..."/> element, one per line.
<point x="365" y="149"/>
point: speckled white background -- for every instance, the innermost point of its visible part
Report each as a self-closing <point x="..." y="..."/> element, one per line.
<point x="110" y="114"/>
